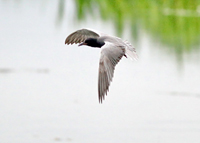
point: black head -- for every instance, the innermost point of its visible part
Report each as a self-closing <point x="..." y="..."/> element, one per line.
<point x="93" y="42"/>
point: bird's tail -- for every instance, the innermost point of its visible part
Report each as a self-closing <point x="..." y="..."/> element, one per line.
<point x="130" y="51"/>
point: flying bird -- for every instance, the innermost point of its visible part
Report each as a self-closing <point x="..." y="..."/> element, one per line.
<point x="112" y="50"/>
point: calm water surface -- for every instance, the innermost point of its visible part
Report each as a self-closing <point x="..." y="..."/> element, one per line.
<point x="48" y="91"/>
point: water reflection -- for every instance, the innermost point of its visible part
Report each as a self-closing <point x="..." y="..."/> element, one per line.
<point x="61" y="11"/>
<point x="24" y="70"/>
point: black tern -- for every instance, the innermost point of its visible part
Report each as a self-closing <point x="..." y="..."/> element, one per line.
<point x="113" y="49"/>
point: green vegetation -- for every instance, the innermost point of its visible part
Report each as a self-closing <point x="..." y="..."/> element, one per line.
<point x="175" y="23"/>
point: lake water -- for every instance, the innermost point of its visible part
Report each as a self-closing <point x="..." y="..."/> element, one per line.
<point x="48" y="90"/>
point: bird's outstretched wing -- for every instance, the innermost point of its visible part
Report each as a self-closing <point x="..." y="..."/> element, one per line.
<point x="110" y="56"/>
<point x="80" y="36"/>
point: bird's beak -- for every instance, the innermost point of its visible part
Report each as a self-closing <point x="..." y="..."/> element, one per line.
<point x="83" y="43"/>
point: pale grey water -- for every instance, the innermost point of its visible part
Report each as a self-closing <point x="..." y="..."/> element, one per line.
<point x="48" y="91"/>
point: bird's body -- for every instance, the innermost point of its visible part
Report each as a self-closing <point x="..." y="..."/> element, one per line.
<point x="113" y="49"/>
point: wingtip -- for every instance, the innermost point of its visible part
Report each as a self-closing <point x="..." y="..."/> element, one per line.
<point x="66" y="41"/>
<point x="100" y="100"/>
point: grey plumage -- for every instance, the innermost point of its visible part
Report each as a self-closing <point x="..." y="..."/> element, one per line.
<point x="110" y="56"/>
<point x="80" y="36"/>
<point x="113" y="49"/>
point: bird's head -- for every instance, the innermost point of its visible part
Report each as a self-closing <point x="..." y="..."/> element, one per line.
<point x="92" y="42"/>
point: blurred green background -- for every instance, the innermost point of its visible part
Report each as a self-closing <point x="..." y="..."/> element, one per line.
<point x="173" y="23"/>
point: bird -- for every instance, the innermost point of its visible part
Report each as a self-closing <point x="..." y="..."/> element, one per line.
<point x="112" y="50"/>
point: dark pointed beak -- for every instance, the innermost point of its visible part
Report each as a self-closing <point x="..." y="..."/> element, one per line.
<point x="83" y="43"/>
